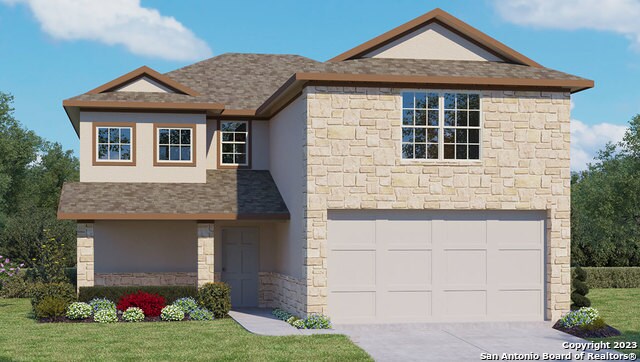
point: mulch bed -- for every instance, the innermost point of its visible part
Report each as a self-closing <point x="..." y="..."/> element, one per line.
<point x="604" y="332"/>
<point x="90" y="320"/>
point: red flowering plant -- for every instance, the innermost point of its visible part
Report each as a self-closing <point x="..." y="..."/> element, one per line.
<point x="151" y="304"/>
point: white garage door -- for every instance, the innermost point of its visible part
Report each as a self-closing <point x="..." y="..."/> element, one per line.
<point x="416" y="266"/>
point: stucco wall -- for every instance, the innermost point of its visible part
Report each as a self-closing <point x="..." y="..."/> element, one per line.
<point x="144" y="170"/>
<point x="287" y="162"/>
<point x="354" y="159"/>
<point x="433" y="41"/>
<point x="259" y="147"/>
<point x="145" y="246"/>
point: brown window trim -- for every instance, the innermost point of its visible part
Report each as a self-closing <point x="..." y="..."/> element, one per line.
<point x="194" y="153"/>
<point x="134" y="148"/>
<point x="219" y="146"/>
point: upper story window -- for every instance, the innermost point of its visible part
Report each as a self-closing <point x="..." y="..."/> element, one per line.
<point x="175" y="145"/>
<point x="234" y="143"/>
<point x="114" y="144"/>
<point x="440" y="126"/>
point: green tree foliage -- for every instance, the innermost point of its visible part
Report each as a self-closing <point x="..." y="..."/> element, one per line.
<point x="32" y="172"/>
<point x="605" y="205"/>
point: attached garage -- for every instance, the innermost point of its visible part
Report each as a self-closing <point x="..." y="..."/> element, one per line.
<point x="418" y="266"/>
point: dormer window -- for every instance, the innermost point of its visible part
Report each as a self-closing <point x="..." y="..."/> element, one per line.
<point x="174" y="145"/>
<point x="234" y="144"/>
<point x="114" y="144"/>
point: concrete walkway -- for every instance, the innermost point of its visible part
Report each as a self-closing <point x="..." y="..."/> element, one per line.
<point x="261" y="321"/>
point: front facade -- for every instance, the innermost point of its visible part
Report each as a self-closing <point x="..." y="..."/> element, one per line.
<point x="421" y="176"/>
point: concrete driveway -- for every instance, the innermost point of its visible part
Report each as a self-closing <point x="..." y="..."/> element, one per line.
<point x="459" y="341"/>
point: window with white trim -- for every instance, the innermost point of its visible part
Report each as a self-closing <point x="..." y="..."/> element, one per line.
<point x="234" y="145"/>
<point x="114" y="144"/>
<point x="440" y="126"/>
<point x="174" y="144"/>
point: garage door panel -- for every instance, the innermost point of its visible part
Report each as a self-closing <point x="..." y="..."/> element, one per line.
<point x="465" y="267"/>
<point x="465" y="231"/>
<point x="514" y="232"/>
<point x="518" y="267"/>
<point x="352" y="306"/>
<point x="415" y="306"/>
<point x="408" y="268"/>
<point x="465" y="303"/>
<point x="350" y="232"/>
<point x="352" y="268"/>
<point x="404" y="233"/>
<point x="517" y="303"/>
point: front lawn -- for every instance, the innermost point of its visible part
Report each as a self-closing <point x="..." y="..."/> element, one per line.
<point x="23" y="339"/>
<point x="620" y="308"/>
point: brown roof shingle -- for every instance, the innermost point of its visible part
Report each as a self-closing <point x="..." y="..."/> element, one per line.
<point x="227" y="194"/>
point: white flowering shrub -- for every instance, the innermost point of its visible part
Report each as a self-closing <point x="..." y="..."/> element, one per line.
<point x="186" y="305"/>
<point x="133" y="314"/>
<point x="317" y="321"/>
<point x="102" y="303"/>
<point x="105" y="316"/>
<point x="79" y="310"/>
<point x="581" y="317"/>
<point x="171" y="313"/>
<point x="298" y="323"/>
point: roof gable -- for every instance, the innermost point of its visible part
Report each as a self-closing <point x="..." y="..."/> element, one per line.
<point x="145" y="84"/>
<point x="160" y="81"/>
<point x="447" y="21"/>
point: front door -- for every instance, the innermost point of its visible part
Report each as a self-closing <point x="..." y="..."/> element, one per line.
<point x="240" y="265"/>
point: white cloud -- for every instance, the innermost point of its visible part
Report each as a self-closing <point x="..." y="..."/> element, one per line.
<point x="619" y="16"/>
<point x="587" y="140"/>
<point x="143" y="31"/>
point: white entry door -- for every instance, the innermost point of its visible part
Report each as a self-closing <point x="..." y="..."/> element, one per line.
<point x="418" y="266"/>
<point x="240" y="263"/>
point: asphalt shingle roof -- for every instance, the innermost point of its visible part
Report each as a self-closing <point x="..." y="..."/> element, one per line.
<point x="232" y="192"/>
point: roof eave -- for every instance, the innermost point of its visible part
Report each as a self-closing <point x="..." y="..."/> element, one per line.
<point x="172" y="216"/>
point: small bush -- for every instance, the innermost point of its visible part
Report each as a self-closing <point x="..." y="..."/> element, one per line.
<point x="15" y="287"/>
<point x="281" y="314"/>
<point x="151" y="304"/>
<point x="133" y="314"/>
<point x="612" y="277"/>
<point x="39" y="291"/>
<point x="216" y="297"/>
<point x="200" y="314"/>
<point x="79" y="310"/>
<point x="596" y="325"/>
<point x="580" y="290"/>
<point x="171" y="313"/>
<point x="51" y="307"/>
<point x="299" y="323"/>
<point x="99" y="304"/>
<point x="581" y="317"/>
<point x="317" y="321"/>
<point x="186" y="304"/>
<point x="170" y="293"/>
<point x="105" y="316"/>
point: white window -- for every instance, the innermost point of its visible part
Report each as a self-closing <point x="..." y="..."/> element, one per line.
<point x="440" y="126"/>
<point x="175" y="144"/>
<point x="114" y="144"/>
<point x="234" y="143"/>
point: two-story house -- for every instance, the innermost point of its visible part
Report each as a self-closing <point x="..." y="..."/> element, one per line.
<point x="420" y="176"/>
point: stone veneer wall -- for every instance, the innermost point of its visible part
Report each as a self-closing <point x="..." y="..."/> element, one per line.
<point x="85" y="264"/>
<point x="206" y="272"/>
<point x="144" y="279"/>
<point x="354" y="162"/>
<point x="277" y="290"/>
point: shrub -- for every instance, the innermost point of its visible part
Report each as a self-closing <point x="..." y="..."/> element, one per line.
<point x="186" y="304"/>
<point x="581" y="317"/>
<point x="151" y="304"/>
<point x="39" y="291"/>
<point x="281" y="314"/>
<point x="612" y="277"/>
<point x="200" y="314"/>
<point x="99" y="304"/>
<point x="51" y="260"/>
<point x="14" y="287"/>
<point x="171" y="313"/>
<point x="298" y="323"/>
<point x="170" y="293"/>
<point x="216" y="297"/>
<point x="105" y="316"/>
<point x="580" y="290"/>
<point x="79" y="310"/>
<point x="317" y="321"/>
<point x="133" y="314"/>
<point x="8" y="268"/>
<point x="51" y="307"/>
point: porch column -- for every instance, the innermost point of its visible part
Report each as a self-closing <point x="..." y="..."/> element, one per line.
<point x="84" y="251"/>
<point x="205" y="253"/>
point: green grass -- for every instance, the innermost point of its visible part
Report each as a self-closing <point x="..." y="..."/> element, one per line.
<point x="620" y="308"/>
<point x="23" y="339"/>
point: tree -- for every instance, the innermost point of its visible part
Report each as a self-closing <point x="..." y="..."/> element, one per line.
<point x="32" y="172"/>
<point x="605" y="205"/>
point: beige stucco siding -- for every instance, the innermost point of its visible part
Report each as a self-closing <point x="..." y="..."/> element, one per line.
<point x="287" y="163"/>
<point x="145" y="84"/>
<point x="433" y="41"/>
<point x="144" y="170"/>
<point x="145" y="246"/>
<point x="353" y="153"/>
<point x="259" y="146"/>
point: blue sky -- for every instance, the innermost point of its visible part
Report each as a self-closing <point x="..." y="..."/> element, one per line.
<point x="55" y="49"/>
